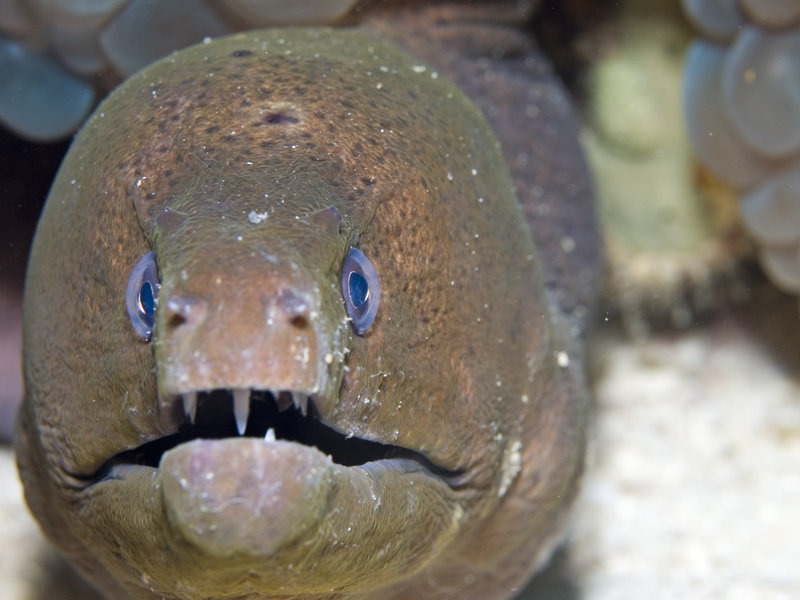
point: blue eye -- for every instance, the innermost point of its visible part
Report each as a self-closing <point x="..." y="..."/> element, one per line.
<point x="360" y="289"/>
<point x="141" y="295"/>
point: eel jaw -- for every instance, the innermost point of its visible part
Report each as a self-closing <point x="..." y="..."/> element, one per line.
<point x="205" y="512"/>
<point x="259" y="512"/>
<point x="273" y="415"/>
<point x="292" y="507"/>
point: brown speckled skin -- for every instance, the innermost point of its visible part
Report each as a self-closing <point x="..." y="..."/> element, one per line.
<point x="484" y="49"/>
<point x="460" y="364"/>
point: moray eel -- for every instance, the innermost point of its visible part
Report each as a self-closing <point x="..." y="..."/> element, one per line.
<point x="287" y="334"/>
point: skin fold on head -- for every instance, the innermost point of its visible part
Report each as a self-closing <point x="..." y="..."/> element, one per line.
<point x="433" y="455"/>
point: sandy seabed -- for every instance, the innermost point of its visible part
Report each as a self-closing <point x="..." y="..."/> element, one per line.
<point x="692" y="488"/>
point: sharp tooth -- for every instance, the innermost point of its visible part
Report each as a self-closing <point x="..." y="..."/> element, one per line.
<point x="300" y="401"/>
<point x="270" y="436"/>
<point x="241" y="408"/>
<point x="190" y="405"/>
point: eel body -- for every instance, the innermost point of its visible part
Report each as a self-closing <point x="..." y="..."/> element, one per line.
<point x="430" y="453"/>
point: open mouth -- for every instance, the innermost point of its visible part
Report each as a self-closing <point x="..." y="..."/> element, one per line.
<point x="271" y="415"/>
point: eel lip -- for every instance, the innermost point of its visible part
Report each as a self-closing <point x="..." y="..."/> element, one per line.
<point x="274" y="415"/>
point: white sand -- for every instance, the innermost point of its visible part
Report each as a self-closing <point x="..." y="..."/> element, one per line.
<point x="692" y="490"/>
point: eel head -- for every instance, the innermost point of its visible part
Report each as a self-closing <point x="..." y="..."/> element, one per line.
<point x="285" y="333"/>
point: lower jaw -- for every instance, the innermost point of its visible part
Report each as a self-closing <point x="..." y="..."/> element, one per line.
<point x="280" y="515"/>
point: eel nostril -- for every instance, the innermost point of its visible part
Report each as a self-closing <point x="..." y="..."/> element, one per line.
<point x="175" y="320"/>
<point x="183" y="310"/>
<point x="299" y="321"/>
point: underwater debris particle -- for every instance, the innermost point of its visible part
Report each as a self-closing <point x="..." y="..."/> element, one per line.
<point x="255" y="217"/>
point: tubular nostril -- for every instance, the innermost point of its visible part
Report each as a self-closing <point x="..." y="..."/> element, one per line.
<point x="183" y="310"/>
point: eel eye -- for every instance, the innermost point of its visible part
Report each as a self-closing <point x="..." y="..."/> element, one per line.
<point x="141" y="295"/>
<point x="360" y="289"/>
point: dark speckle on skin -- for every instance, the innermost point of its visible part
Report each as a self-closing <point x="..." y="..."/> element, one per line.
<point x="281" y="118"/>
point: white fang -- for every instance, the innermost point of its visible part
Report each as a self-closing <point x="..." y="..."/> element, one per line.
<point x="270" y="436"/>
<point x="241" y="408"/>
<point x="300" y="400"/>
<point x="190" y="405"/>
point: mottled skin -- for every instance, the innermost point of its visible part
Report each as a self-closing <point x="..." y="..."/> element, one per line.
<point x="460" y="364"/>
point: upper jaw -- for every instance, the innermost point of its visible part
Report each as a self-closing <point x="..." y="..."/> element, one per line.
<point x="275" y="416"/>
